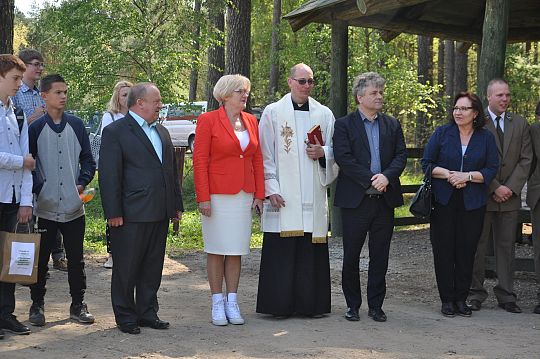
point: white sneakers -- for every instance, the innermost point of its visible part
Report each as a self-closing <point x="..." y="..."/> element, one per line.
<point x="109" y="263"/>
<point x="225" y="310"/>
<point x="218" y="312"/>
<point x="233" y="313"/>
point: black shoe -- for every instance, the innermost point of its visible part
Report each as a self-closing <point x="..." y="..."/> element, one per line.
<point x="1" y="334"/>
<point x="352" y="315"/>
<point x="377" y="314"/>
<point x="462" y="309"/>
<point x="475" y="305"/>
<point x="11" y="324"/>
<point x="154" y="324"/>
<point x="447" y="309"/>
<point x="510" y="307"/>
<point x="80" y="313"/>
<point x="37" y="315"/>
<point x="536" y="309"/>
<point x="129" y="328"/>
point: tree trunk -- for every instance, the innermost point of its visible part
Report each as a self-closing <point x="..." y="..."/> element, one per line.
<point x="493" y="49"/>
<point x="216" y="53"/>
<point x="449" y="68"/>
<point x="338" y="98"/>
<point x="274" y="52"/>
<point x="440" y="65"/>
<point x="194" y="75"/>
<point x="461" y="72"/>
<point x="425" y="76"/>
<point x="238" y="52"/>
<point x="7" y="13"/>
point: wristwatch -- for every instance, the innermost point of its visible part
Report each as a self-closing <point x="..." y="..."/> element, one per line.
<point x="470" y="177"/>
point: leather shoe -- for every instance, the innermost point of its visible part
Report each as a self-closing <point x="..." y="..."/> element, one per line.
<point x="510" y="307"/>
<point x="352" y="315"/>
<point x="462" y="309"/>
<point x="377" y="314"/>
<point x="129" y="328"/>
<point x="537" y="309"/>
<point x="154" y="324"/>
<point x="447" y="309"/>
<point x="475" y="304"/>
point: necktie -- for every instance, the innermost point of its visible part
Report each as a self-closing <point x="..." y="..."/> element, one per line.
<point x="500" y="132"/>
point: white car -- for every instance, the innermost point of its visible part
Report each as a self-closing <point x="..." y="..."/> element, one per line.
<point x="180" y="121"/>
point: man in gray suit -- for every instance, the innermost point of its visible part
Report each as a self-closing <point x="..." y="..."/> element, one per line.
<point x="513" y="140"/>
<point x="533" y="199"/>
<point x="140" y="194"/>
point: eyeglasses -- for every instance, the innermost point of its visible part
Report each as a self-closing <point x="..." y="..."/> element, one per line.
<point x="461" y="109"/>
<point x="302" y="82"/>
<point x="242" y="92"/>
<point x="36" y="64"/>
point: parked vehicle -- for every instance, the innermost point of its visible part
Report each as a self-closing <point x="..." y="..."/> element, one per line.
<point x="180" y="121"/>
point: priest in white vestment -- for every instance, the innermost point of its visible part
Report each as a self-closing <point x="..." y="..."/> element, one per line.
<point x="295" y="272"/>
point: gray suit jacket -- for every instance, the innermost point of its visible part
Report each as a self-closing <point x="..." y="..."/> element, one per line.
<point x="533" y="185"/>
<point x="515" y="160"/>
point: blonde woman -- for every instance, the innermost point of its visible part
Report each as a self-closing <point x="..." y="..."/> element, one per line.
<point x="229" y="183"/>
<point x="116" y="109"/>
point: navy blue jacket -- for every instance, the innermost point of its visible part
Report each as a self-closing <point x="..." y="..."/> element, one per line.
<point x="444" y="150"/>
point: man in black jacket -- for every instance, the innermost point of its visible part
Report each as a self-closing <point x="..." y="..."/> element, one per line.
<point x="370" y="150"/>
<point x="140" y="194"/>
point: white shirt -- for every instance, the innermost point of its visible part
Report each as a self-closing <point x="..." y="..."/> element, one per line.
<point x="107" y="119"/>
<point x="493" y="116"/>
<point x="13" y="149"/>
<point x="243" y="138"/>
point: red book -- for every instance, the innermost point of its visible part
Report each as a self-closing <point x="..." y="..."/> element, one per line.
<point x="315" y="132"/>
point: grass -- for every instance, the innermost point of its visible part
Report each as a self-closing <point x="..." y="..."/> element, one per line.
<point x="190" y="235"/>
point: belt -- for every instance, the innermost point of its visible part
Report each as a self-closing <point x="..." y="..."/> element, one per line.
<point x="374" y="196"/>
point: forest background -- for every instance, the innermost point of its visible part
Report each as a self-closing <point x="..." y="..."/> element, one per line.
<point x="184" y="46"/>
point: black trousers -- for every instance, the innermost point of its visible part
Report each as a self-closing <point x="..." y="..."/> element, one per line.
<point x="294" y="276"/>
<point x="138" y="251"/>
<point x="454" y="235"/>
<point x="375" y="217"/>
<point x="73" y="234"/>
<point x="8" y="220"/>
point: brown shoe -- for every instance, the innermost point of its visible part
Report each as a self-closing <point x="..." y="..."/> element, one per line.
<point x="61" y="264"/>
<point x="510" y="307"/>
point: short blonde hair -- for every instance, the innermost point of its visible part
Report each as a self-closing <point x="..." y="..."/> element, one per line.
<point x="227" y="84"/>
<point x="114" y="102"/>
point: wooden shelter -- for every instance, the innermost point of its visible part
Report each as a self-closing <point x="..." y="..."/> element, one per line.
<point x="460" y="20"/>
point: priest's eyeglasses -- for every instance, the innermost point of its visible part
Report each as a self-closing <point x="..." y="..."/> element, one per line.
<point x="302" y="82"/>
<point x="461" y="109"/>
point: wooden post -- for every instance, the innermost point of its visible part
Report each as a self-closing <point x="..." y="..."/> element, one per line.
<point x="338" y="99"/>
<point x="179" y="154"/>
<point x="493" y="49"/>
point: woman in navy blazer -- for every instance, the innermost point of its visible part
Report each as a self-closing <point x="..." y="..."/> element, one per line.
<point x="463" y="158"/>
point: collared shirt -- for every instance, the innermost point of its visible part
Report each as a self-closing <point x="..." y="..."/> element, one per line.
<point x="493" y="116"/>
<point x="372" y="132"/>
<point x="28" y="99"/>
<point x="14" y="179"/>
<point x="151" y="133"/>
<point x="303" y="107"/>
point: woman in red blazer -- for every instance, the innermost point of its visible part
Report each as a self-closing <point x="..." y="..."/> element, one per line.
<point x="229" y="182"/>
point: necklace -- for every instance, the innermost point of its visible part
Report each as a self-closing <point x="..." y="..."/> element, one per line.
<point x="238" y="124"/>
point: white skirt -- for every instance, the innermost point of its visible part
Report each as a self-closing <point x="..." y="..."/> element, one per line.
<point x="228" y="229"/>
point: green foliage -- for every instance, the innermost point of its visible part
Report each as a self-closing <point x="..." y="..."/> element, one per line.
<point x="523" y="76"/>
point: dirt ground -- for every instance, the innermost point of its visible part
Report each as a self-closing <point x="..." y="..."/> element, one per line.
<point x="415" y="328"/>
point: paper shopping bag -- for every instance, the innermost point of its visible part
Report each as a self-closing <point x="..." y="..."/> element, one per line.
<point x="19" y="255"/>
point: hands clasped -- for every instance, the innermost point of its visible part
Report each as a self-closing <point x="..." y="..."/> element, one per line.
<point x="457" y="179"/>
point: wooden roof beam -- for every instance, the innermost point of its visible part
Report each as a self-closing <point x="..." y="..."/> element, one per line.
<point x="371" y="7"/>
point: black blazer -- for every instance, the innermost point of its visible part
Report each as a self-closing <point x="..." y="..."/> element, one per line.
<point x="133" y="183"/>
<point x="352" y="154"/>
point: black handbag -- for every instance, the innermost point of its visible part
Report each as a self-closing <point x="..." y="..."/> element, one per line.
<point x="421" y="203"/>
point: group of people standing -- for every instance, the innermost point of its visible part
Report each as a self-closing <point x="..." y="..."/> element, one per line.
<point x="479" y="162"/>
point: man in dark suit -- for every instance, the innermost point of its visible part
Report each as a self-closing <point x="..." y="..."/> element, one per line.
<point x="139" y="193"/>
<point x="369" y="148"/>
<point x="513" y="140"/>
